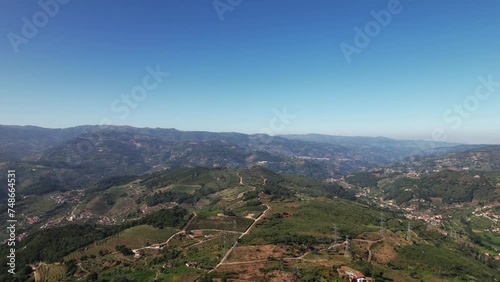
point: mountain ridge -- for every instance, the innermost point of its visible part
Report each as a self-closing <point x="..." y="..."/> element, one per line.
<point x="71" y="157"/>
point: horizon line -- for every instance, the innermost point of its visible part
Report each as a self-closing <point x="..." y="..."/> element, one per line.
<point x="248" y="134"/>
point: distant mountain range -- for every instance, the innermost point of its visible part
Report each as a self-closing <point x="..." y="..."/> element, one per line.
<point x="88" y="153"/>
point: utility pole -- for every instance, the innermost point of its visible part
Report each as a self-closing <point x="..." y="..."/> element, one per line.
<point x="453" y="234"/>
<point x="297" y="272"/>
<point x="382" y="225"/>
<point x="235" y="229"/>
<point x="335" y="234"/>
<point x="346" y="251"/>
<point x="224" y="237"/>
<point x="408" y="235"/>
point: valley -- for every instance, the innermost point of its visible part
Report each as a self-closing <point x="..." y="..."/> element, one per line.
<point x="432" y="217"/>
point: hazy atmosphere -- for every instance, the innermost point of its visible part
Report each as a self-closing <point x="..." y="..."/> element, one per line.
<point x="249" y="141"/>
<point x="401" y="69"/>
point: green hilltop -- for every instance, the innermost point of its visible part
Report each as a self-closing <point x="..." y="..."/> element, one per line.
<point x="191" y="224"/>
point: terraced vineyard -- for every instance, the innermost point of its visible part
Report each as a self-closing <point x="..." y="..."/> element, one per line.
<point x="135" y="237"/>
<point x="221" y="223"/>
<point x="52" y="272"/>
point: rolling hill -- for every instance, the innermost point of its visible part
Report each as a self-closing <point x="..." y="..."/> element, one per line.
<point x="251" y="225"/>
<point x="65" y="159"/>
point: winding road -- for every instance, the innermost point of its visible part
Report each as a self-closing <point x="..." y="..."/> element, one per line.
<point x="223" y="260"/>
<point x="157" y="246"/>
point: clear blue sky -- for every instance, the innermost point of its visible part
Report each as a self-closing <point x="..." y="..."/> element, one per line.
<point x="229" y="75"/>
